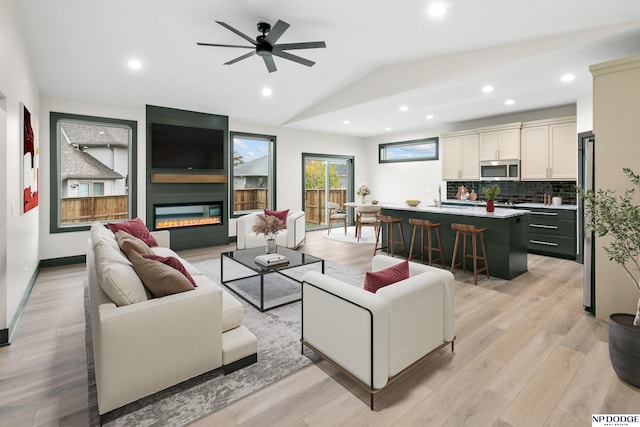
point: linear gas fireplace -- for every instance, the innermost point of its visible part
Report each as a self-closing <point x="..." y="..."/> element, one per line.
<point x="180" y="215"/>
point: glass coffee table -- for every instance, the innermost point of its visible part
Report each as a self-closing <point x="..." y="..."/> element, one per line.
<point x="249" y="284"/>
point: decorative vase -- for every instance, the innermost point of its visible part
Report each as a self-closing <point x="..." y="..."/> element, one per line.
<point x="363" y="199"/>
<point x="490" y="206"/>
<point x="624" y="347"/>
<point x="271" y="246"/>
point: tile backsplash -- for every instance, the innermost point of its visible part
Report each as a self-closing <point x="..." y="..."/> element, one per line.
<point x="519" y="191"/>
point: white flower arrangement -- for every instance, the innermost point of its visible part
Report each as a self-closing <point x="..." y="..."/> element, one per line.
<point x="363" y="190"/>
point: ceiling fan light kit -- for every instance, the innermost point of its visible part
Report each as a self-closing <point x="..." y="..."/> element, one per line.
<point x="265" y="45"/>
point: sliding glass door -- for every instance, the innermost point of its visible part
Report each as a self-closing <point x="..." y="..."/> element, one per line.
<point x="327" y="178"/>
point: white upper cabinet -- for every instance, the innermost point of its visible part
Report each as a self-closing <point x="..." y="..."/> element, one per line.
<point x="500" y="142"/>
<point x="460" y="156"/>
<point x="549" y="150"/>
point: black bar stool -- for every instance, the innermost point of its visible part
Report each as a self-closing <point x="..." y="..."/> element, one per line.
<point x="470" y="230"/>
<point x="389" y="222"/>
<point x="424" y="224"/>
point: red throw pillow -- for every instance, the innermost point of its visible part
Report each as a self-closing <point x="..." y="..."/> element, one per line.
<point x="136" y="228"/>
<point x="281" y="215"/>
<point x="172" y="262"/>
<point x="379" y="279"/>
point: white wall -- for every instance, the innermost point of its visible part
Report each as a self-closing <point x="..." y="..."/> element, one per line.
<point x="19" y="253"/>
<point x="395" y="182"/>
<point x="58" y="245"/>
<point x="616" y="103"/>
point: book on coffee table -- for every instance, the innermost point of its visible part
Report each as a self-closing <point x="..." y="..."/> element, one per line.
<point x="270" y="260"/>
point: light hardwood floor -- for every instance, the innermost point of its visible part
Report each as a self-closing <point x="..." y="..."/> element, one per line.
<point x="526" y="354"/>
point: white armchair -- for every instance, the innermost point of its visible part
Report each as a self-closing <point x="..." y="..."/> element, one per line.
<point x="291" y="237"/>
<point x="375" y="337"/>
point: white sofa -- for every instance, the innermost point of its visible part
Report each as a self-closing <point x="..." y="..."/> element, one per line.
<point x="154" y="343"/>
<point x="291" y="237"/>
<point x="375" y="337"/>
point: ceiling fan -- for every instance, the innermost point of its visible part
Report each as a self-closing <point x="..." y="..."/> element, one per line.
<point x="265" y="45"/>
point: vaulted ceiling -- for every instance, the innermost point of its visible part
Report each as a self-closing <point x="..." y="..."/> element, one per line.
<point x="380" y="56"/>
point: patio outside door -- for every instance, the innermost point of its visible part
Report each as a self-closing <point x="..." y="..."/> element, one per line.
<point x="327" y="178"/>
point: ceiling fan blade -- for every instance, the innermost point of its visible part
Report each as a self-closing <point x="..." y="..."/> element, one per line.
<point x="293" y="58"/>
<point x="244" y="36"/>
<point x="271" y="65"/>
<point x="240" y="58"/>
<point x="306" y="45"/>
<point x="276" y="32"/>
<point x="225" y="45"/>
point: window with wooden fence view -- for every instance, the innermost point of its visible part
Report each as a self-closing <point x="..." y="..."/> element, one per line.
<point x="319" y="185"/>
<point x="93" y="171"/>
<point x="253" y="179"/>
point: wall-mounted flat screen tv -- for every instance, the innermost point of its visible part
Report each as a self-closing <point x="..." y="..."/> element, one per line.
<point x="183" y="147"/>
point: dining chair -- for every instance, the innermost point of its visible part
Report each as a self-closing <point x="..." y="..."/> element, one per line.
<point x="366" y="215"/>
<point x="336" y="214"/>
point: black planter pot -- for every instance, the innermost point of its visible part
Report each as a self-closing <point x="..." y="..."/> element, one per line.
<point x="624" y="347"/>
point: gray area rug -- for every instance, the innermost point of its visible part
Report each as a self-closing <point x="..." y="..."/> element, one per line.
<point x="278" y="333"/>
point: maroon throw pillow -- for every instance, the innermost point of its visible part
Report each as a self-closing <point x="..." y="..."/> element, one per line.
<point x="136" y="228"/>
<point x="379" y="279"/>
<point x="281" y="215"/>
<point x="172" y="262"/>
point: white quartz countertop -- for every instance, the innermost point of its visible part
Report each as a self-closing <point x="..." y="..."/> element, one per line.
<point x="476" y="210"/>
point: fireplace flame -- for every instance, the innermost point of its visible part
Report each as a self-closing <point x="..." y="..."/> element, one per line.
<point x="187" y="222"/>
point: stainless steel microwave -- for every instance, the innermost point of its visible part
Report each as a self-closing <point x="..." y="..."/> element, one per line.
<point x="500" y="170"/>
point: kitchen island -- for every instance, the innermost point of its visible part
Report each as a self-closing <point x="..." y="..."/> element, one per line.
<point x="505" y="237"/>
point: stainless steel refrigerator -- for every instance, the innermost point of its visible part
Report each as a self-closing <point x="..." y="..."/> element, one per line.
<point x="586" y="250"/>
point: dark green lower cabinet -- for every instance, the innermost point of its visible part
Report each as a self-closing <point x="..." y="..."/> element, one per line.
<point x="505" y="239"/>
<point x="552" y="232"/>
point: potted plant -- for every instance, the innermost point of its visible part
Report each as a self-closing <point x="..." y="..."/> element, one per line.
<point x="616" y="216"/>
<point x="490" y="194"/>
<point x="268" y="225"/>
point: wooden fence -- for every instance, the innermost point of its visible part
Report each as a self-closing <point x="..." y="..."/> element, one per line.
<point x="315" y="206"/>
<point x="94" y="208"/>
<point x="247" y="199"/>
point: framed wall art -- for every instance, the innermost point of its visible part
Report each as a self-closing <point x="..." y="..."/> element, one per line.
<point x="30" y="159"/>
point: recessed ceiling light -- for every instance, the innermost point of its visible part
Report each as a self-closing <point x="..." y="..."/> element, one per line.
<point x="267" y="91"/>
<point x="346" y="122"/>
<point x="487" y="89"/>
<point x="134" y="64"/>
<point x="429" y="117"/>
<point x="437" y="10"/>
<point x="568" y="78"/>
<point x="509" y="102"/>
<point x="387" y="128"/>
<point x="404" y="108"/>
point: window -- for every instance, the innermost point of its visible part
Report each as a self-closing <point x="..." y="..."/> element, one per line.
<point x="409" y="151"/>
<point x="92" y="159"/>
<point x="253" y="177"/>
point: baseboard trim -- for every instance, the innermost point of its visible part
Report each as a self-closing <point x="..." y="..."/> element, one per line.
<point x="13" y="324"/>
<point x="59" y="262"/>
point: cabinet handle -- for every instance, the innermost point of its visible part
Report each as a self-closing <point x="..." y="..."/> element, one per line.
<point x="538" y="242"/>
<point x="544" y="213"/>
<point x="551" y="227"/>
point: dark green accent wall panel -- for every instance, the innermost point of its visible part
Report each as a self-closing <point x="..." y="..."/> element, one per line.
<point x="162" y="193"/>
